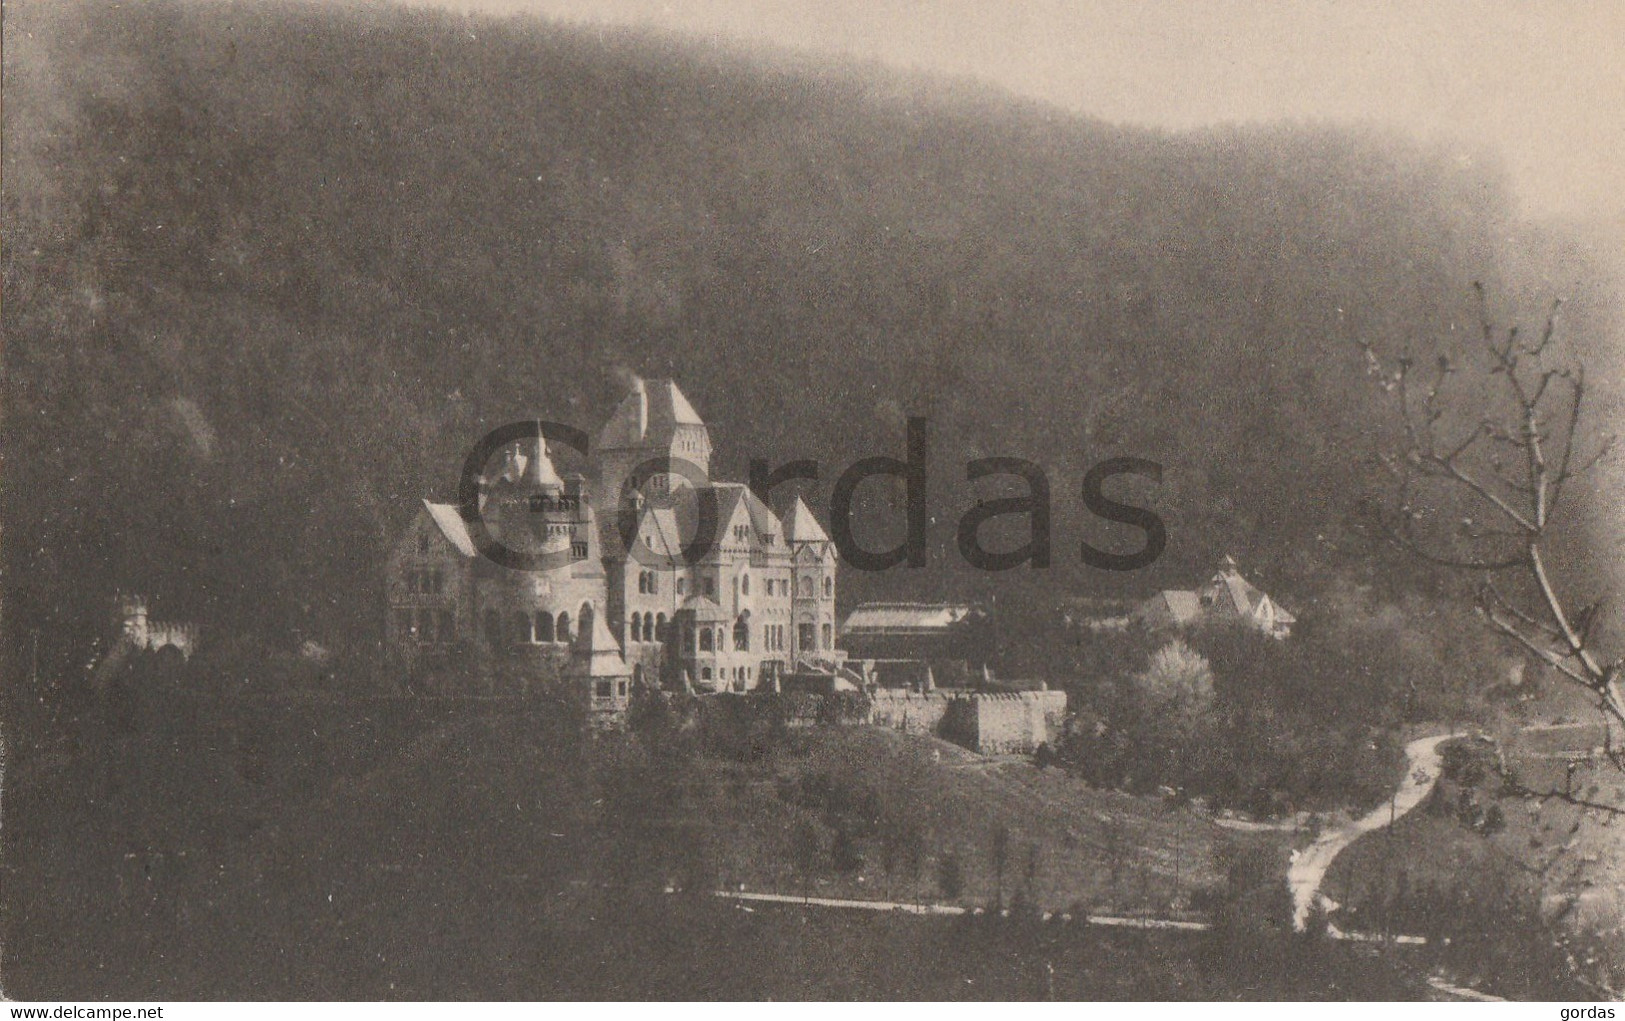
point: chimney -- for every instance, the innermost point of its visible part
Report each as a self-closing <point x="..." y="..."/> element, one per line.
<point x="642" y="393"/>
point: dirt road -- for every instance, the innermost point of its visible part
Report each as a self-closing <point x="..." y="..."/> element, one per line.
<point x="1309" y="866"/>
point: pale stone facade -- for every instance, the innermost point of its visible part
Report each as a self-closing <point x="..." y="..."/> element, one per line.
<point x="759" y="603"/>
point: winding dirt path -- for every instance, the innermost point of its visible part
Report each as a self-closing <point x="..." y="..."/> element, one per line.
<point x="1308" y="869"/>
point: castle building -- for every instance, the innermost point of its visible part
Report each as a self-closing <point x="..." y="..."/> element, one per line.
<point x="624" y="578"/>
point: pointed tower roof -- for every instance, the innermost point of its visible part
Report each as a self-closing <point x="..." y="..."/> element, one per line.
<point x="596" y="653"/>
<point x="539" y="470"/>
<point x="801" y="526"/>
<point x="649" y="414"/>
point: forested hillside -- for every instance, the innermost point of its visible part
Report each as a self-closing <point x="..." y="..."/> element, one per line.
<point x="270" y="272"/>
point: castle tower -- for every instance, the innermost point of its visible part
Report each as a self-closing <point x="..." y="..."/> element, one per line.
<point x="812" y="603"/>
<point x="654" y="420"/>
<point x="597" y="666"/>
<point x="526" y="504"/>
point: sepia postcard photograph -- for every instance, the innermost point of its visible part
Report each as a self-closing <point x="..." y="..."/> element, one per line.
<point x="851" y="500"/>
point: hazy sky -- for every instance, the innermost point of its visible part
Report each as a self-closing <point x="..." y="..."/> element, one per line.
<point x="1542" y="83"/>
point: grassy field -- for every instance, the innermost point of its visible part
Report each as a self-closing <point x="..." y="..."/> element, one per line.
<point x="477" y="851"/>
<point x="1066" y="846"/>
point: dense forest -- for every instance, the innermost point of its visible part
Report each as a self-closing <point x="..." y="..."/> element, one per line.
<point x="269" y="272"/>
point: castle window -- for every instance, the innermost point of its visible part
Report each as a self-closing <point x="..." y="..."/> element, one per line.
<point x="636" y="628"/>
<point x="561" y="630"/>
<point x="543" y="626"/>
<point x="741" y="635"/>
<point x="711" y="588"/>
<point x="620" y="688"/>
<point x="829" y="636"/>
<point x="648" y="627"/>
<point x="806" y="637"/>
<point x="829" y="587"/>
<point x="705" y="673"/>
<point x="584" y="620"/>
<point x="705" y="640"/>
<point x="807" y="587"/>
<point x="744" y="584"/>
<point x="660" y="627"/>
<point x="682" y="585"/>
<point x="654" y="582"/>
<point x="578" y="551"/>
<point x="604" y="689"/>
<point x="643" y="582"/>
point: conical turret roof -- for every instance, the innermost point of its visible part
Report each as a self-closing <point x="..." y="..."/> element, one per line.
<point x="596" y="653"/>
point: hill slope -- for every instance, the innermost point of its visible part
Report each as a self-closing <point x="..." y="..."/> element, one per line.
<point x="271" y="271"/>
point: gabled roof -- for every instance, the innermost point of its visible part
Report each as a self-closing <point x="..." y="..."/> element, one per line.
<point x="659" y="525"/>
<point x="1275" y="611"/>
<point x="730" y="495"/>
<point x="1229" y="584"/>
<point x="666" y="409"/>
<point x="801" y="526"/>
<point x="1182" y="605"/>
<point x="452" y="526"/>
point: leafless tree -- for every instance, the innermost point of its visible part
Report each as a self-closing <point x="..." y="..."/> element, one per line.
<point x="1490" y="447"/>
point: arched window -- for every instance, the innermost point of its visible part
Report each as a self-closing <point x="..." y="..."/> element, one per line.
<point x="635" y="627"/>
<point x="648" y="627"/>
<point x="643" y="581"/>
<point x="829" y="636"/>
<point x="741" y="635"/>
<point x="521" y="628"/>
<point x="493" y="628"/>
<point x="584" y="620"/>
<point x="744" y="584"/>
<point x="561" y="630"/>
<point x="829" y="586"/>
<point x="660" y="627"/>
<point x="806" y="587"/>
<point x="543" y="627"/>
<point x="705" y="673"/>
<point x="705" y="640"/>
<point x="654" y="581"/>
